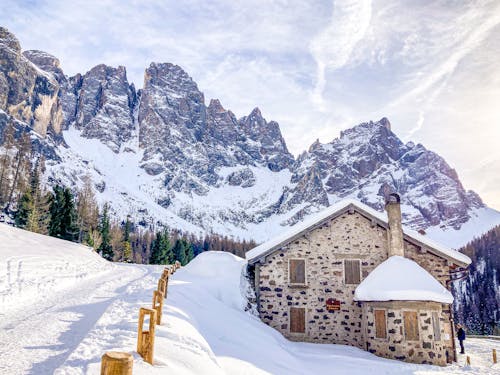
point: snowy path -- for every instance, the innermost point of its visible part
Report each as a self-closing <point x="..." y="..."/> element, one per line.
<point x="37" y="338"/>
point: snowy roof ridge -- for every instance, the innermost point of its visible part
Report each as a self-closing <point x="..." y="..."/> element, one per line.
<point x="401" y="279"/>
<point x="257" y="252"/>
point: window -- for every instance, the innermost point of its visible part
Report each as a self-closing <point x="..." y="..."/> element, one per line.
<point x="297" y="271"/>
<point x="352" y="271"/>
<point x="411" y="325"/>
<point x="297" y="320"/>
<point x="380" y="324"/>
<point x="436" y="326"/>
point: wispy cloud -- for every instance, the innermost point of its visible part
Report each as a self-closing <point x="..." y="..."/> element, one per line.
<point x="332" y="47"/>
<point x="315" y="66"/>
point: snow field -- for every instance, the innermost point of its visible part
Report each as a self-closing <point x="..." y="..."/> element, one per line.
<point x="33" y="266"/>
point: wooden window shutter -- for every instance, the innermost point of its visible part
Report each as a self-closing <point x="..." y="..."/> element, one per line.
<point x="352" y="271"/>
<point x="380" y="324"/>
<point x="297" y="271"/>
<point x="436" y="326"/>
<point x="411" y="325"/>
<point x="297" y="320"/>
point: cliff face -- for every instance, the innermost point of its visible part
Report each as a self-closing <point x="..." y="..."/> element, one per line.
<point x="163" y="156"/>
<point x="27" y="93"/>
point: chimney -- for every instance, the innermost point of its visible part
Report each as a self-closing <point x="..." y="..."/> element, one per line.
<point x="393" y="208"/>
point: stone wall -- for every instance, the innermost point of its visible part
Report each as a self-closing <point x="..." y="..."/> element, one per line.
<point x="425" y="350"/>
<point x="349" y="236"/>
<point x="440" y="269"/>
<point x="324" y="248"/>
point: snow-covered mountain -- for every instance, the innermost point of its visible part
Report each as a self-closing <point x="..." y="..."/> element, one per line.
<point x="163" y="156"/>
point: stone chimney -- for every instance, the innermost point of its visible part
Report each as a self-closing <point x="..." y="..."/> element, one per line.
<point x="395" y="232"/>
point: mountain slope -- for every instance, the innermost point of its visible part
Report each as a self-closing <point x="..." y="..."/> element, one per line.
<point x="163" y="156"/>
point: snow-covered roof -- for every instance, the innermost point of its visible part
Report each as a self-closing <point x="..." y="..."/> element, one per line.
<point x="258" y="252"/>
<point x="401" y="279"/>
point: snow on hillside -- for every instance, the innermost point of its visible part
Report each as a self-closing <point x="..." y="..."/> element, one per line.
<point x="481" y="221"/>
<point x="33" y="266"/>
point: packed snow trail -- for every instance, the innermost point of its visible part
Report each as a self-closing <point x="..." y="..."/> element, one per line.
<point x="38" y="337"/>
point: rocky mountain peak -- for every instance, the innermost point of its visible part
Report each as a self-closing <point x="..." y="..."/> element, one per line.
<point x="46" y="62"/>
<point x="9" y="40"/>
<point x="215" y="106"/>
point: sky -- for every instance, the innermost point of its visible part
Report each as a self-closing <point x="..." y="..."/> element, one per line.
<point x="316" y="67"/>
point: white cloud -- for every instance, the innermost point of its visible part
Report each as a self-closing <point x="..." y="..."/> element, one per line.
<point x="333" y="46"/>
<point x="315" y="66"/>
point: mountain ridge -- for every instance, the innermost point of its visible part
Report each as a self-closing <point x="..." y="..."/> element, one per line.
<point x="164" y="155"/>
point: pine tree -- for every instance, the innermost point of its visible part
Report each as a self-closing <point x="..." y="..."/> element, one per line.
<point x="25" y="206"/>
<point x="63" y="215"/>
<point x="161" y="252"/>
<point x="87" y="212"/>
<point x="127" y="247"/>
<point x="189" y="253"/>
<point x="180" y="251"/>
<point x="105" y="248"/>
<point x="33" y="208"/>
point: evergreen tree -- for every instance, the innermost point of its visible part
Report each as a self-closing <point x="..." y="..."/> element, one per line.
<point x="105" y="248"/>
<point x="25" y="206"/>
<point x="63" y="216"/>
<point x="189" y="253"/>
<point x="179" y="250"/>
<point x="87" y="212"/>
<point x="161" y="252"/>
<point x="33" y="207"/>
<point x="127" y="247"/>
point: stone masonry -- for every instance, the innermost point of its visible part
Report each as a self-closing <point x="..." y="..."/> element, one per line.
<point x="349" y="235"/>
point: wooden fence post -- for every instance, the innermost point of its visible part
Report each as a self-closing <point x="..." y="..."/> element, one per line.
<point x="494" y="356"/>
<point x="158" y="305"/>
<point x="146" y="339"/>
<point x="162" y="286"/>
<point x="117" y="363"/>
<point x="468" y="361"/>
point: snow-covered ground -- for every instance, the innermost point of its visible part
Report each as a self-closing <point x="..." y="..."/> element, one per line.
<point x="205" y="328"/>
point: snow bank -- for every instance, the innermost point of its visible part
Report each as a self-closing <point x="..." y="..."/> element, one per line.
<point x="33" y="265"/>
<point x="401" y="279"/>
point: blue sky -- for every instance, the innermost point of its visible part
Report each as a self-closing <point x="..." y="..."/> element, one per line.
<point x="316" y="67"/>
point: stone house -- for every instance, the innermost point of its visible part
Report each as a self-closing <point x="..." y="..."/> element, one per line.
<point x="352" y="275"/>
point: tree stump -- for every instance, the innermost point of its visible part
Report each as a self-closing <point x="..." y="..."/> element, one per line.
<point x="158" y="305"/>
<point x="146" y="338"/>
<point x="117" y="363"/>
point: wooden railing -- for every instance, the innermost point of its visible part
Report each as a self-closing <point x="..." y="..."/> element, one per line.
<point x="120" y="363"/>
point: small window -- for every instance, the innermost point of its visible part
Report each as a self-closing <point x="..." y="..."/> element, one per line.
<point x="380" y="324"/>
<point x="436" y="326"/>
<point x="411" y="325"/>
<point x="297" y="320"/>
<point x="297" y="270"/>
<point x="352" y="271"/>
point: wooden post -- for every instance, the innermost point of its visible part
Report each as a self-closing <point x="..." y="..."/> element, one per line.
<point x="468" y="361"/>
<point x="117" y="363"/>
<point x="494" y="356"/>
<point x="166" y="274"/>
<point x="162" y="286"/>
<point x="158" y="305"/>
<point x="146" y="339"/>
